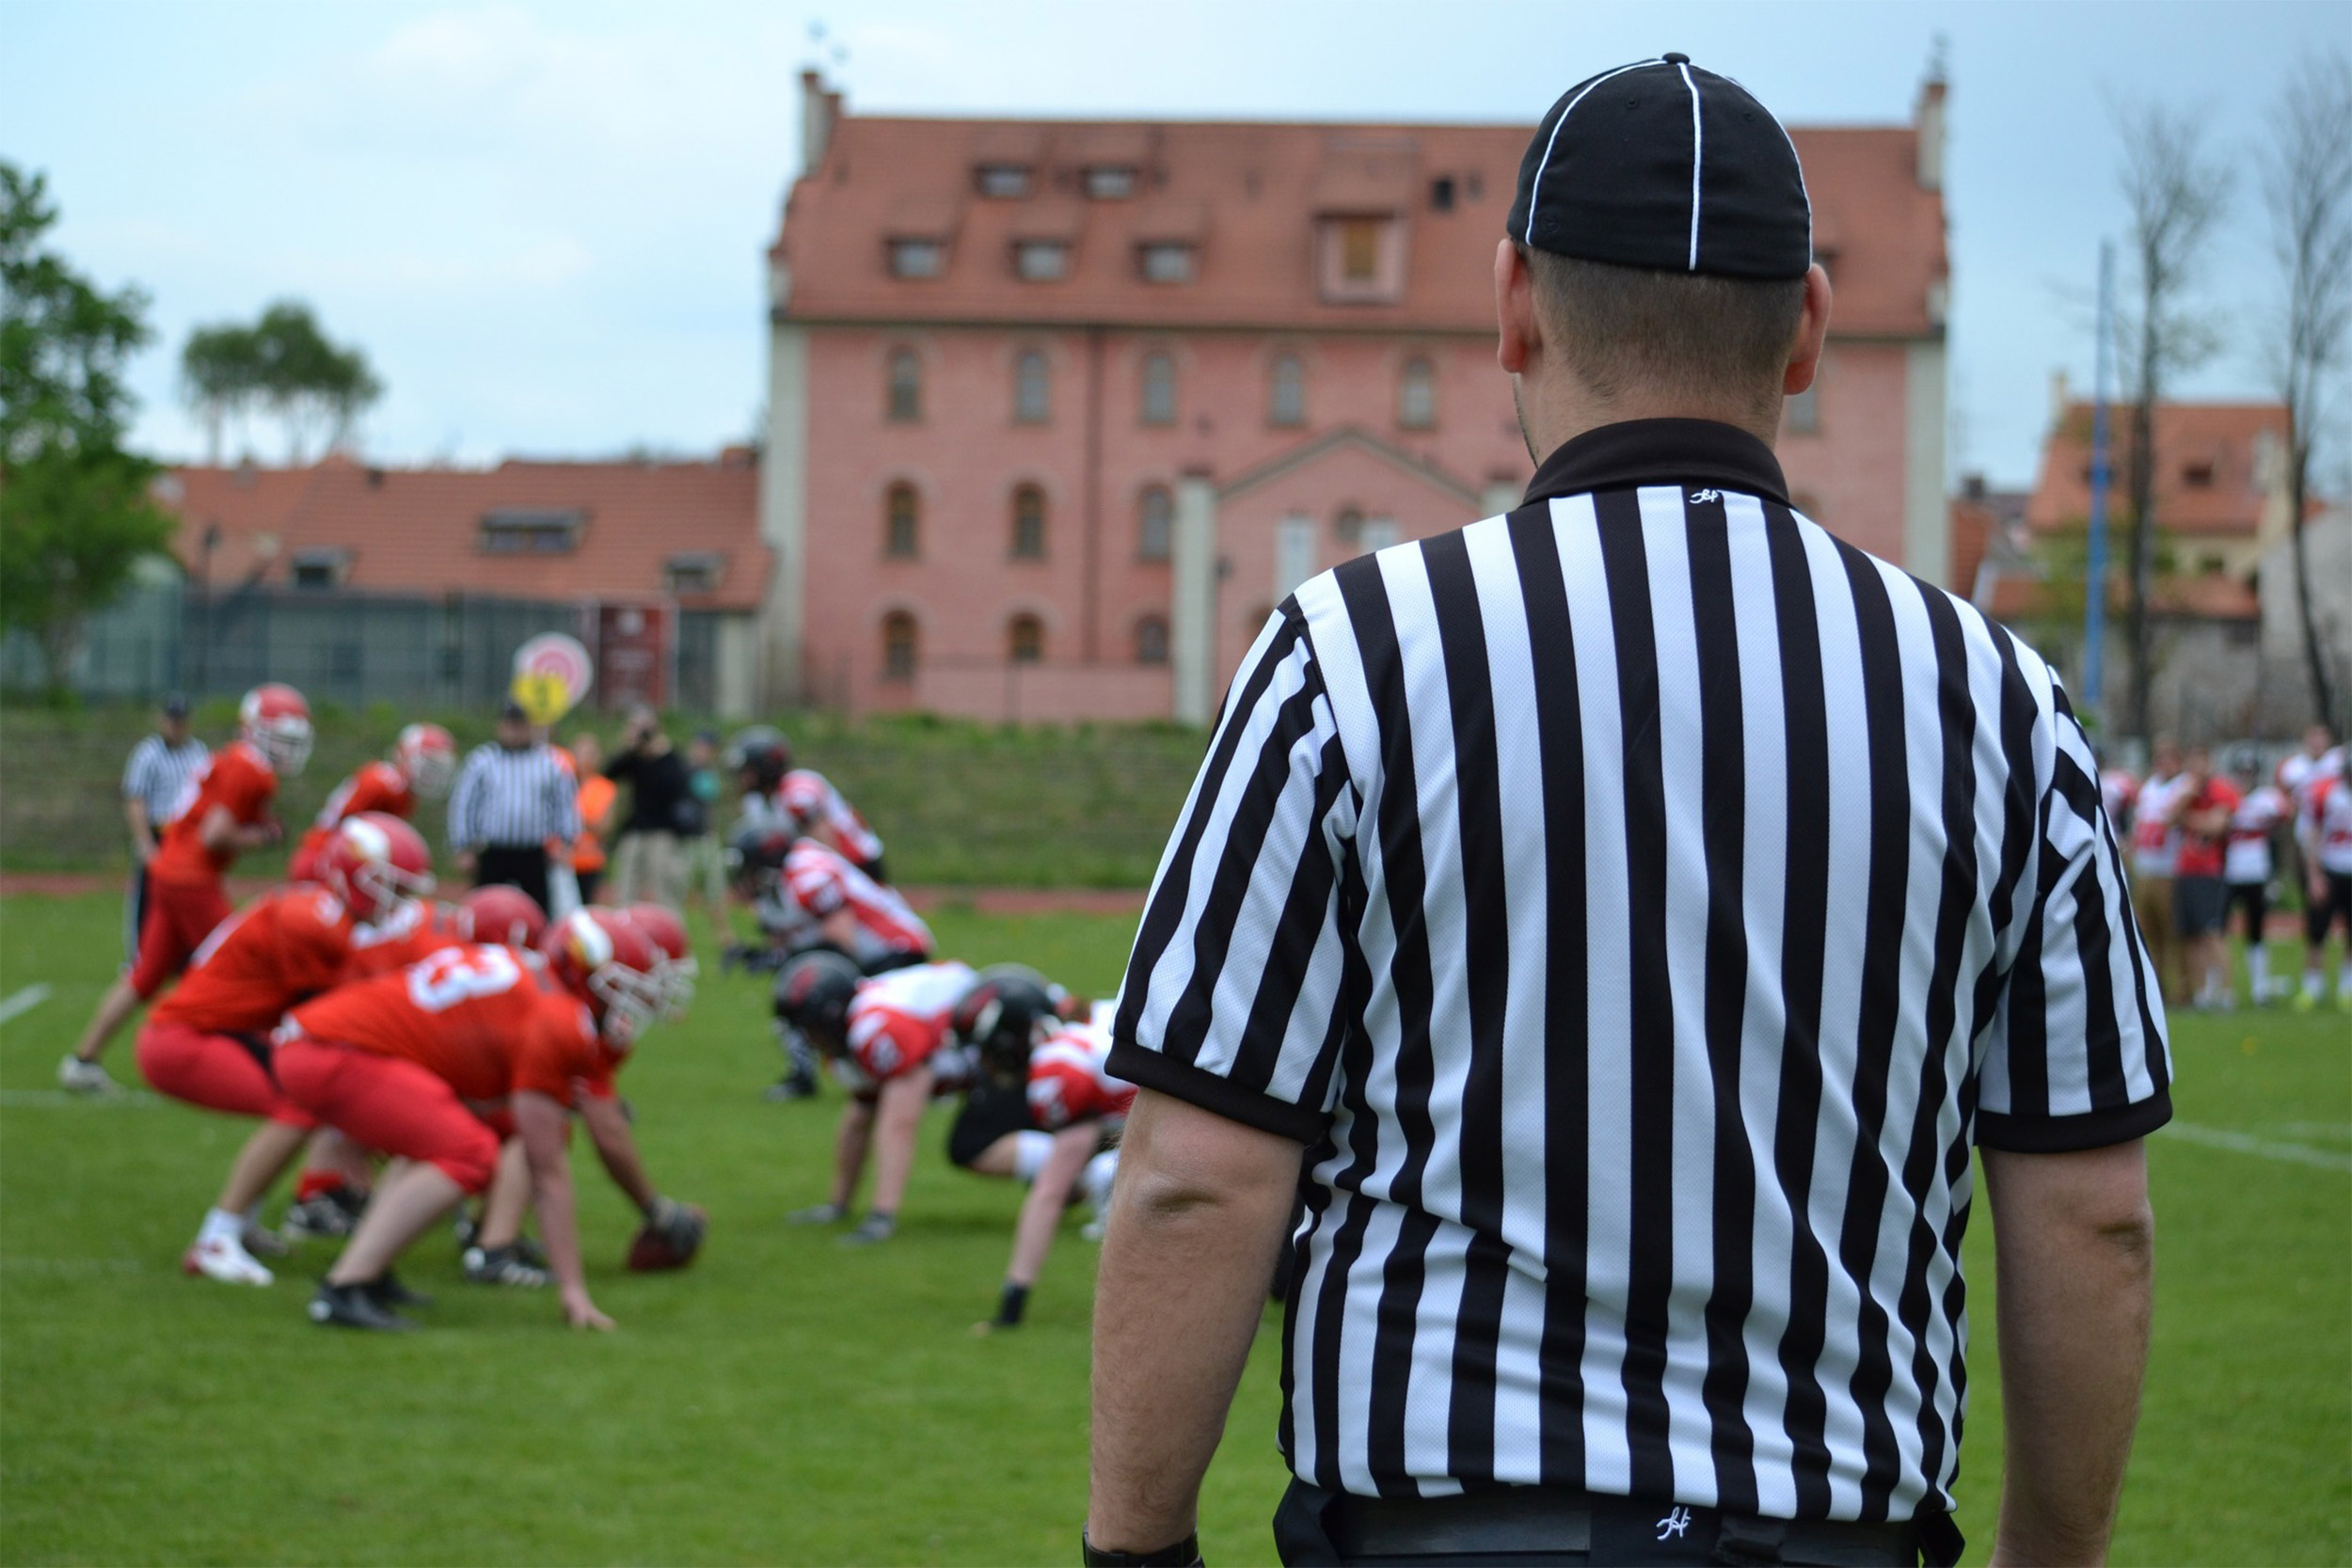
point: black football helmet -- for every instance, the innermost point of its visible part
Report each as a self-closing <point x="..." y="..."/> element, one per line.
<point x="1008" y="1010"/>
<point x="759" y="757"/>
<point x="813" y="995"/>
<point x="756" y="854"/>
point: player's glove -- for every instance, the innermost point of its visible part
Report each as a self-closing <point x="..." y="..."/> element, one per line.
<point x="672" y="1235"/>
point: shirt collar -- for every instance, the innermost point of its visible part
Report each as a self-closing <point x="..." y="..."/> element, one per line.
<point x="1659" y="451"/>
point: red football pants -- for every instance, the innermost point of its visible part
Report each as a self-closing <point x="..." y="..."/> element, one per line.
<point x="180" y="915"/>
<point x="389" y="1103"/>
<point x="215" y="1072"/>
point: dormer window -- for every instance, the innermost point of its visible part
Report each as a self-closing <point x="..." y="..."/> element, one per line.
<point x="2198" y="475"/>
<point x="1041" y="260"/>
<point x="1002" y="182"/>
<point x="320" y="568"/>
<point x="1167" y="262"/>
<point x="1362" y="260"/>
<point x="692" y="572"/>
<point x="916" y="258"/>
<point x="530" y="530"/>
<point x="1109" y="182"/>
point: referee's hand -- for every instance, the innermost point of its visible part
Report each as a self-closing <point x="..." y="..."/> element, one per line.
<point x="466" y="861"/>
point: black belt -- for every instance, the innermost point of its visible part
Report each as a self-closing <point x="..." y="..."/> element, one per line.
<point x="1544" y="1519"/>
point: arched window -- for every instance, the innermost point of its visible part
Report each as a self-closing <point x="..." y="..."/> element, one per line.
<point x="1286" y="391"/>
<point x="1025" y="640"/>
<point x="902" y="523"/>
<point x="1151" y="639"/>
<point x="1159" y="390"/>
<point x="1155" y="524"/>
<point x="903" y="403"/>
<point x="900" y="640"/>
<point x="1028" y="523"/>
<point x="1416" y="395"/>
<point x="1032" y="389"/>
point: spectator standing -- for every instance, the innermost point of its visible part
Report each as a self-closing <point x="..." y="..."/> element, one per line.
<point x="2202" y="810"/>
<point x="515" y="797"/>
<point x="597" y="796"/>
<point x="2301" y="774"/>
<point x="157" y="782"/>
<point x="648" y="865"/>
<point x="1616" y="919"/>
<point x="2155" y="857"/>
<point x="2325" y="828"/>
<point x="706" y="861"/>
<point x="2248" y="866"/>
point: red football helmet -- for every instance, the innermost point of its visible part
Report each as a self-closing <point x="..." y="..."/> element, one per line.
<point x="276" y="720"/>
<point x="611" y="965"/>
<point x="504" y="915"/>
<point x="426" y="755"/>
<point x="677" y="969"/>
<point x="372" y="861"/>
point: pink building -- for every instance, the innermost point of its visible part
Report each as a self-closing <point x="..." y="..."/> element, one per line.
<point x="1059" y="410"/>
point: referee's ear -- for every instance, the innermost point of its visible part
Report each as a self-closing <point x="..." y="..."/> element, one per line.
<point x="1804" y="354"/>
<point x="1520" y="335"/>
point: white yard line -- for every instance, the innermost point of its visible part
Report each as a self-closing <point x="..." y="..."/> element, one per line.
<point x="23" y="1002"/>
<point x="2266" y="1148"/>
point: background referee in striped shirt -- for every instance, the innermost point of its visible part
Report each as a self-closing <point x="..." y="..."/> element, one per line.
<point x="153" y="779"/>
<point x="512" y="798"/>
<point x="1617" y="921"/>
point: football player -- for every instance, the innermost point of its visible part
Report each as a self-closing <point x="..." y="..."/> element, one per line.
<point x="205" y="1043"/>
<point x="892" y="1045"/>
<point x="800" y="799"/>
<point x="403" y="1062"/>
<point x="224" y="812"/>
<point x="424" y="761"/>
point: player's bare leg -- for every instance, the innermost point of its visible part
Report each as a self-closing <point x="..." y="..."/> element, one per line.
<point x="259" y="1163"/>
<point x="402" y="1209"/>
<point x="496" y="1255"/>
<point x="1040" y="1217"/>
<point x="851" y="1141"/>
<point x="81" y="1072"/>
<point x="898" y="1122"/>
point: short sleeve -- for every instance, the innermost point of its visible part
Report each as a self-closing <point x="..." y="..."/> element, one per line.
<point x="1232" y="999"/>
<point x="2076" y="1055"/>
<point x="136" y="770"/>
<point x="818" y="890"/>
<point x="251" y="792"/>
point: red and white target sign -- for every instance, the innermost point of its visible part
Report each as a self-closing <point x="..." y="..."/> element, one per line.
<point x="552" y="672"/>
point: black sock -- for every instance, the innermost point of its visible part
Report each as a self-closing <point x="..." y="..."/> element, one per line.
<point x="1010" y="1306"/>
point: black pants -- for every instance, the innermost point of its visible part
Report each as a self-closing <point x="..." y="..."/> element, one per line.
<point x="515" y="865"/>
<point x="2254" y="898"/>
<point x="589" y="881"/>
<point x="2320" y="913"/>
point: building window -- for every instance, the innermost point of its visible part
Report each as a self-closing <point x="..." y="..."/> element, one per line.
<point x="1110" y="182"/>
<point x="903" y="404"/>
<point x="1286" y="391"/>
<point x="2198" y="475"/>
<point x="1362" y="260"/>
<point x="1151" y="639"/>
<point x="1028" y="523"/>
<point x="1159" y="390"/>
<point x="1004" y="181"/>
<point x="1377" y="534"/>
<point x="902" y="523"/>
<point x="530" y="530"/>
<point x="1167" y="262"/>
<point x="320" y="568"/>
<point x="1032" y="389"/>
<point x="1155" y="524"/>
<point x="1294" y="552"/>
<point x="1441" y="193"/>
<point x="1025" y="640"/>
<point x="693" y="572"/>
<point x="1041" y="260"/>
<point x="1417" y="396"/>
<point x="899" y="640"/>
<point x="1800" y="415"/>
<point x="916" y="258"/>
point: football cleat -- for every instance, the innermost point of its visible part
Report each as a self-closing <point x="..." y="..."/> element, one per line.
<point x="503" y="1266"/>
<point x="264" y="1242"/>
<point x="871" y="1230"/>
<point x="387" y="1292"/>
<point x="531" y="1252"/>
<point x="324" y="1216"/>
<point x="220" y="1258"/>
<point x="350" y="1307"/>
<point x="83" y="1077"/>
<point x="799" y="1084"/>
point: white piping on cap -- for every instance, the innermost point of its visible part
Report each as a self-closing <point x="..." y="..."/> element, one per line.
<point x="1535" y="186"/>
<point x="1697" y="149"/>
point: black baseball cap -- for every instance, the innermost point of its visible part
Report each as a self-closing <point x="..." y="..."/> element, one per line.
<point x="175" y="704"/>
<point x="1667" y="167"/>
<point x="512" y="711"/>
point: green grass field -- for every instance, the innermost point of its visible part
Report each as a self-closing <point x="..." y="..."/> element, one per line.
<point x="788" y="1400"/>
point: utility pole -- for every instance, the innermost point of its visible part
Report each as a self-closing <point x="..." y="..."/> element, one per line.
<point x="2095" y="566"/>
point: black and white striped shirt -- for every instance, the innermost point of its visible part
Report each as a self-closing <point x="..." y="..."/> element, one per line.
<point x="513" y="799"/>
<point x="1637" y="903"/>
<point x="158" y="773"/>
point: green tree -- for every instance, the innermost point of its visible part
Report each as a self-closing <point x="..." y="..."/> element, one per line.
<point x="74" y="513"/>
<point x="283" y="363"/>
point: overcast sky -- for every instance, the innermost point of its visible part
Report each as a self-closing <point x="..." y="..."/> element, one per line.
<point x="543" y="223"/>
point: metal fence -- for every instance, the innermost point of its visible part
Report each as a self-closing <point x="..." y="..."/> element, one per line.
<point x="355" y="649"/>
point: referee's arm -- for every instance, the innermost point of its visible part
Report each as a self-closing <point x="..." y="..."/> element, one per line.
<point x="2077" y="1074"/>
<point x="1224" y="1022"/>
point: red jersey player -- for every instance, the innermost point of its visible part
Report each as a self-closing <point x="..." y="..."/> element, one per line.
<point x="425" y="760"/>
<point x="413" y="1064"/>
<point x="225" y="812"/>
<point x="206" y="1042"/>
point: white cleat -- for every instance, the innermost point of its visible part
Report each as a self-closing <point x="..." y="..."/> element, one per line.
<point x="85" y="1077"/>
<point x="220" y="1258"/>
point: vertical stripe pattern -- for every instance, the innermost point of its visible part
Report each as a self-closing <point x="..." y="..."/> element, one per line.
<point x="158" y="775"/>
<point x="513" y="799"/>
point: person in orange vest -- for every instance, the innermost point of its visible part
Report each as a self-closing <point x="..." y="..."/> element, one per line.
<point x="596" y="796"/>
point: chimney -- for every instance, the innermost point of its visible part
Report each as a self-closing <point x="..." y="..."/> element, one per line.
<point x="818" y="109"/>
<point x="2061" y="395"/>
<point x="1929" y="121"/>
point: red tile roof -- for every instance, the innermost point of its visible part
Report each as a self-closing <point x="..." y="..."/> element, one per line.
<point x="2210" y="597"/>
<point x="418" y="530"/>
<point x="1247" y="195"/>
<point x="2217" y="440"/>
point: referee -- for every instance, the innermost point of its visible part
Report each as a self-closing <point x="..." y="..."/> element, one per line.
<point x="1614" y="922"/>
<point x="513" y="798"/>
<point x="154" y="778"/>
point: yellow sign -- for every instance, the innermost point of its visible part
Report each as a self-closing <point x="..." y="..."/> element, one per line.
<point x="544" y="698"/>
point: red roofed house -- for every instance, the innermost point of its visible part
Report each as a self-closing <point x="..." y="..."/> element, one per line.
<point x="1059" y="410"/>
<point x="659" y="566"/>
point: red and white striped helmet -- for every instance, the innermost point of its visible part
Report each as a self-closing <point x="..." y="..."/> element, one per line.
<point x="276" y="720"/>
<point x="374" y="860"/>
<point x="426" y="755"/>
